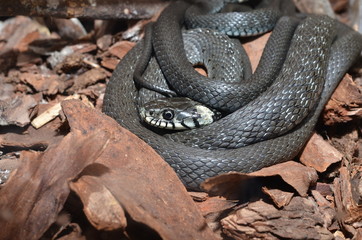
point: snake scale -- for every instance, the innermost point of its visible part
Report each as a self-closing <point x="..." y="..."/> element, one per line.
<point x="268" y="126"/>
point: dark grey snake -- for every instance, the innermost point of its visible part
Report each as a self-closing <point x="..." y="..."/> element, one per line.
<point x="270" y="133"/>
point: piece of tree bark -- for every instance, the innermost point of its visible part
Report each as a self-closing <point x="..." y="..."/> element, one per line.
<point x="296" y="175"/>
<point x="301" y="219"/>
<point x="319" y="154"/>
<point x="96" y="9"/>
<point x="315" y="6"/>
<point x="130" y="175"/>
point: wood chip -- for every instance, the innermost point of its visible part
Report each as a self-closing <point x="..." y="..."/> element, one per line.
<point x="345" y="103"/>
<point x="120" y="49"/>
<point x="127" y="169"/>
<point x="104" y="42"/>
<point x="315" y="7"/>
<point x="319" y="154"/>
<point x="350" y="211"/>
<point x="41" y="82"/>
<point x="294" y="174"/>
<point x="260" y="220"/>
<point x="50" y="114"/>
<point x="280" y="198"/>
<point x="88" y="78"/>
<point x="110" y="63"/>
<point x="42" y="179"/>
<point x="255" y="48"/>
<point x="106" y="216"/>
<point x="16" y="111"/>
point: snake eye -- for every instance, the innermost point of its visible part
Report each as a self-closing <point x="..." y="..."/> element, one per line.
<point x="168" y="114"/>
<point x="151" y="112"/>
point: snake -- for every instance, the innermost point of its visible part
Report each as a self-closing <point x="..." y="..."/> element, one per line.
<point x="319" y="52"/>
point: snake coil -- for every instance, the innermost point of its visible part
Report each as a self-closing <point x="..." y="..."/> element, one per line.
<point x="267" y="126"/>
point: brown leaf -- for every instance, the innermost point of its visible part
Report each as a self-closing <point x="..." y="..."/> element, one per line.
<point x="319" y="154"/>
<point x="136" y="177"/>
<point x="294" y="174"/>
<point x="37" y="190"/>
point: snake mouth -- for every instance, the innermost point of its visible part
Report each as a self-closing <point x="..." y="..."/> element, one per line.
<point x="160" y="123"/>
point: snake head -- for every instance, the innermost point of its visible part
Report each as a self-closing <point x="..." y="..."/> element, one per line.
<point x="177" y="114"/>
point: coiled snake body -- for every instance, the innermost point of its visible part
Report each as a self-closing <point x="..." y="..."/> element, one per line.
<point x="270" y="128"/>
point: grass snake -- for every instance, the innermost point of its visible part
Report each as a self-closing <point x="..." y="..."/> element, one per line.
<point x="321" y="51"/>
